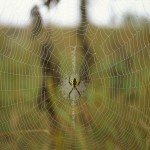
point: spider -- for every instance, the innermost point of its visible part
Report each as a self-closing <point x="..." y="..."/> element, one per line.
<point x="74" y="83"/>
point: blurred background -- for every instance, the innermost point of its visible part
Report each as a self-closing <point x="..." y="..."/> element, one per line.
<point x="105" y="45"/>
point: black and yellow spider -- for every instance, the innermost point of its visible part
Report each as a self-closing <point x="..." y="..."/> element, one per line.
<point x="74" y="83"/>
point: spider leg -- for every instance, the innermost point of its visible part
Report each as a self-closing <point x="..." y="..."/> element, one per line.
<point x="79" y="82"/>
<point x="78" y="92"/>
<point x="70" y="92"/>
<point x="69" y="81"/>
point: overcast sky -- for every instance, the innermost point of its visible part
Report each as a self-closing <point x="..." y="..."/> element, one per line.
<point x="100" y="12"/>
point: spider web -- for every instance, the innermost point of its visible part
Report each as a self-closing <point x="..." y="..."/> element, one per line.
<point x="113" y="110"/>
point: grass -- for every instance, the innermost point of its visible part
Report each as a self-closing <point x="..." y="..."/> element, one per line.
<point x="113" y="114"/>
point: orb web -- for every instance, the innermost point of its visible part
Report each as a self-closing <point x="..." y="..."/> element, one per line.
<point x="112" y="66"/>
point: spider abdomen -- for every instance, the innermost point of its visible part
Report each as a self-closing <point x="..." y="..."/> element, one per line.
<point x="75" y="83"/>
